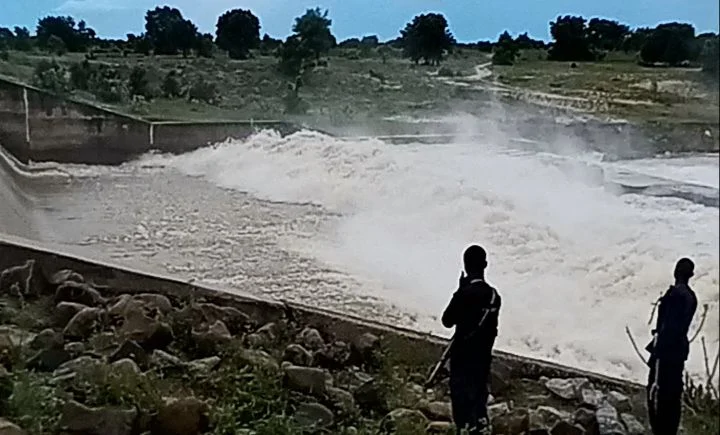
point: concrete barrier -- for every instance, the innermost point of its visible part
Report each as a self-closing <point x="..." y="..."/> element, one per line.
<point x="40" y="126"/>
<point x="416" y="347"/>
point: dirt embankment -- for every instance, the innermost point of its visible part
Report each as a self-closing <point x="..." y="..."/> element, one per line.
<point x="78" y="358"/>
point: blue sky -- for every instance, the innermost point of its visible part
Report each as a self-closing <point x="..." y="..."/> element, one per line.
<point x="470" y="20"/>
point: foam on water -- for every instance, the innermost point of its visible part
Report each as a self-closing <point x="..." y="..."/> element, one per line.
<point x="574" y="263"/>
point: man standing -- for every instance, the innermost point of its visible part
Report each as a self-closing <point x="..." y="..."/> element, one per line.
<point x="669" y="351"/>
<point x="473" y="311"/>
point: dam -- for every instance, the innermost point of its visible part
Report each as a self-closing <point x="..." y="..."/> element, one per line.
<point x="579" y="247"/>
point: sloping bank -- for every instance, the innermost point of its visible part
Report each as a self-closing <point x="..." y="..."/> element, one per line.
<point x="93" y="348"/>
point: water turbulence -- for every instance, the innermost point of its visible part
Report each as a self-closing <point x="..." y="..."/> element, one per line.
<point x="574" y="262"/>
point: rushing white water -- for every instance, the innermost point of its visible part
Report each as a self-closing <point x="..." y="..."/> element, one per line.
<point x="573" y="263"/>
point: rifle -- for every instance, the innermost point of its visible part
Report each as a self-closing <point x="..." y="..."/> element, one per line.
<point x="446" y="353"/>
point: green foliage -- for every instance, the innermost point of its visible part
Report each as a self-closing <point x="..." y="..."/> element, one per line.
<point x="571" y="40"/>
<point x="238" y="31"/>
<point x="52" y="76"/>
<point x="427" y="37"/>
<point x="204" y="91"/>
<point x="671" y="43"/>
<point x="313" y="29"/>
<point x="74" y="39"/>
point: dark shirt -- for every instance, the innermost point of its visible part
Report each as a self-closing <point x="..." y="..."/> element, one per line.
<point x="464" y="312"/>
<point x="675" y="313"/>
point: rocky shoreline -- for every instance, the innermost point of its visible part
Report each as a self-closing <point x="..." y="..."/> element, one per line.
<point x="77" y="358"/>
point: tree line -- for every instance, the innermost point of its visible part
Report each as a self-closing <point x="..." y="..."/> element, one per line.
<point x="426" y="38"/>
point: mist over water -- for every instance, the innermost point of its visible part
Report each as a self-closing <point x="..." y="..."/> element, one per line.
<point x="573" y="262"/>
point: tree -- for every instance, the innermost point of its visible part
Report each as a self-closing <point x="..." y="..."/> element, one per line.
<point x="427" y="37"/>
<point x="75" y="40"/>
<point x="670" y="43"/>
<point x="238" y="31"/>
<point x="606" y="35"/>
<point x="169" y="32"/>
<point x="506" y="50"/>
<point x="710" y="57"/>
<point x="571" y="40"/>
<point x="313" y="28"/>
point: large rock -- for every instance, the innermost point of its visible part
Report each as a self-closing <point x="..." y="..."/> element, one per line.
<point x="209" y="339"/>
<point x="372" y="396"/>
<point x="85" y="323"/>
<point x="297" y="355"/>
<point x="437" y="411"/>
<point x="79" y="293"/>
<point x="188" y="416"/>
<point x="26" y="281"/>
<point x="80" y="419"/>
<point x="8" y="428"/>
<point x="311" y="339"/>
<point x="609" y="421"/>
<point x="620" y="401"/>
<point x="64" y="311"/>
<point x="633" y="426"/>
<point x="307" y="379"/>
<point x="568" y="389"/>
<point x="313" y="415"/>
<point x="404" y="421"/>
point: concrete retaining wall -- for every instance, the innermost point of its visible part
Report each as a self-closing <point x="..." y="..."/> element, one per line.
<point x="37" y="125"/>
<point x="415" y="347"/>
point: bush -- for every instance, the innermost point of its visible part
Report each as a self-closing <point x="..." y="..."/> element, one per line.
<point x="52" y="76"/>
<point x="171" y="87"/>
<point x="203" y="91"/>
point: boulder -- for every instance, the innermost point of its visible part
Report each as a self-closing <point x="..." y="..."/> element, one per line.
<point x="437" y="411"/>
<point x="8" y="428"/>
<point x="306" y="379"/>
<point x="79" y="293"/>
<point x="47" y="339"/>
<point x="188" y="416"/>
<point x="125" y="367"/>
<point x="633" y="426"/>
<point x="64" y="311"/>
<point x="372" y="396"/>
<point x="26" y="280"/>
<point x="297" y="355"/>
<point x="620" y="401"/>
<point x="84" y="323"/>
<point x="80" y="419"/>
<point x="568" y="389"/>
<point x="405" y="421"/>
<point x="65" y="275"/>
<point x="609" y="421"/>
<point x="313" y="415"/>
<point x="130" y="350"/>
<point x="565" y="428"/>
<point x="48" y="360"/>
<point x="311" y="339"/>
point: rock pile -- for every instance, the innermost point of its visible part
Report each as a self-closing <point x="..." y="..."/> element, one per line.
<point x="107" y="363"/>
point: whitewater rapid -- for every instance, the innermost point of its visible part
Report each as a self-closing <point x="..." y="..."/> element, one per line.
<point x="378" y="230"/>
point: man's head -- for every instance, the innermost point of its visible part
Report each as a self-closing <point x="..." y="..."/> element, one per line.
<point x="684" y="269"/>
<point x="475" y="259"/>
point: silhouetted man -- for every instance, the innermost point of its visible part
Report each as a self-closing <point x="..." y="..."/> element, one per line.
<point x="473" y="311"/>
<point x="669" y="351"/>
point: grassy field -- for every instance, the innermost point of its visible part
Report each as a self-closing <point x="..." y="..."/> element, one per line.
<point x="358" y="87"/>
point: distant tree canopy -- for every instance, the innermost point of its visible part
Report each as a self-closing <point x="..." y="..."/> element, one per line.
<point x="571" y="40"/>
<point x="313" y="29"/>
<point x="63" y="28"/>
<point x="671" y="43"/>
<point x="238" y="31"/>
<point x="606" y="35"/>
<point x="169" y="32"/>
<point x="427" y="37"/>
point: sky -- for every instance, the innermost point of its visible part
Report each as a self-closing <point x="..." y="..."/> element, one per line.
<point x="470" y="20"/>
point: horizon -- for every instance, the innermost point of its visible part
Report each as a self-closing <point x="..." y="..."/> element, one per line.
<point x="114" y="21"/>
